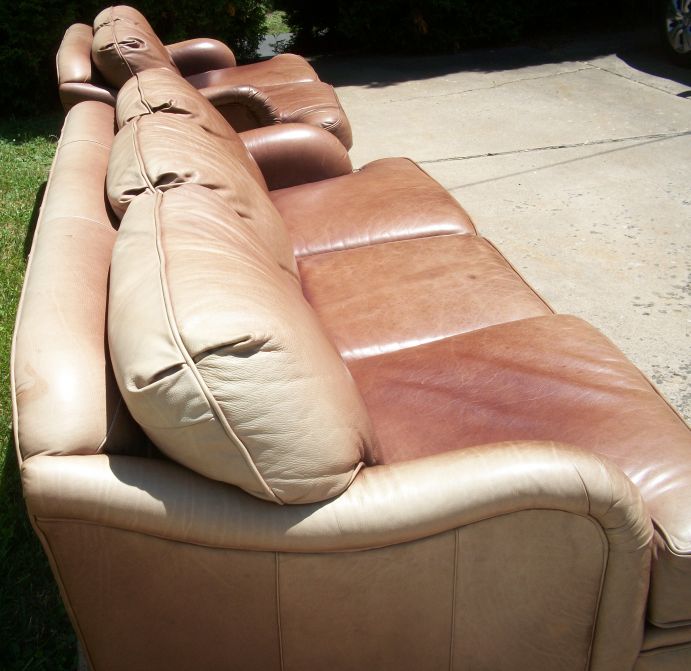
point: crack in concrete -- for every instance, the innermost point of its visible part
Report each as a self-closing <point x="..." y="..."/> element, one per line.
<point x="630" y="79"/>
<point x="492" y="86"/>
<point x="574" y="145"/>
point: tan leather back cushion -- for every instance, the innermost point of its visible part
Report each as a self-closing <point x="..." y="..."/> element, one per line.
<point x="221" y="359"/>
<point x="163" y="151"/>
<point x="124" y="43"/>
<point x="165" y="91"/>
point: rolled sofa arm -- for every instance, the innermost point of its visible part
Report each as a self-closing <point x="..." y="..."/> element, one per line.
<point x="201" y="55"/>
<point x="296" y="153"/>
<point x="535" y="525"/>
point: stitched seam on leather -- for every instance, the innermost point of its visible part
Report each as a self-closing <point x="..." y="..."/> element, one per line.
<point x="453" y="598"/>
<point x="491" y="244"/>
<point x="277" y="559"/>
<point x="116" y="42"/>
<point x="96" y="142"/>
<point x="605" y="545"/>
<point x="211" y="401"/>
<point x="142" y="97"/>
<point x="64" y="593"/>
<point x="139" y="156"/>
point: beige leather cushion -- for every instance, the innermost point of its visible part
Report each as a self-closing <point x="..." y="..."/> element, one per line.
<point x="162" y="151"/>
<point x="221" y="359"/>
<point x="125" y="43"/>
<point x="165" y="91"/>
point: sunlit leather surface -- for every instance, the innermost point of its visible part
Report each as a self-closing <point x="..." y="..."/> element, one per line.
<point x="494" y="525"/>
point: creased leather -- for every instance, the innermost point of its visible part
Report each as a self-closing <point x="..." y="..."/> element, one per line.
<point x="125" y="43"/>
<point x="220" y="358"/>
<point x="161" y="91"/>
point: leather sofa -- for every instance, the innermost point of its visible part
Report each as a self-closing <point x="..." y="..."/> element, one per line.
<point x="362" y="440"/>
<point x="92" y="64"/>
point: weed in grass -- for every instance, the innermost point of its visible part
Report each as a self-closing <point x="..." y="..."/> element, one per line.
<point x="34" y="630"/>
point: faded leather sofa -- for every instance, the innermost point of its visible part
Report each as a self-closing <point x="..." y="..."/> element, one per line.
<point x="469" y="480"/>
<point x="93" y="63"/>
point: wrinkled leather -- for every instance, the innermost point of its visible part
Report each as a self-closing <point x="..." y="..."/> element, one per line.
<point x="220" y="358"/>
<point x="548" y="378"/>
<point x="281" y="69"/>
<point x="246" y="106"/>
<point x="293" y="154"/>
<point x="201" y="54"/>
<point x="389" y="199"/>
<point x="382" y="298"/>
<point x="125" y="43"/>
<point x="160" y="90"/>
<point x="65" y="399"/>
<point x="401" y="544"/>
<point x="162" y="152"/>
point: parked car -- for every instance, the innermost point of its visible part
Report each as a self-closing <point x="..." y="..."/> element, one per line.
<point x="675" y="24"/>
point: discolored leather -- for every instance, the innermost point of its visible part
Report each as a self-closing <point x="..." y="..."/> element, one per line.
<point x="523" y="507"/>
<point x="293" y="154"/>
<point x="386" y="297"/>
<point x="281" y="69"/>
<point x="220" y="358"/>
<point x="549" y="378"/>
<point x="161" y="151"/>
<point x="125" y="43"/>
<point x="389" y="199"/>
<point x="65" y="400"/>
<point x="201" y="54"/>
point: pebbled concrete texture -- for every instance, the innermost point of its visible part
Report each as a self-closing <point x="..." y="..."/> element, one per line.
<point x="575" y="159"/>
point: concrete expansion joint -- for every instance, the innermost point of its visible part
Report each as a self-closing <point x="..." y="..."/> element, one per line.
<point x="574" y="145"/>
<point x="632" y="80"/>
<point x="551" y="75"/>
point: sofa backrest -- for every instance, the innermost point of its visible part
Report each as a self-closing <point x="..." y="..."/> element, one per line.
<point x="124" y="43"/>
<point x="221" y="359"/>
<point x="160" y="151"/>
<point x="165" y="91"/>
<point x="65" y="398"/>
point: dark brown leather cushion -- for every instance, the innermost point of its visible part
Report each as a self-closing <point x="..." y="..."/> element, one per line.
<point x="391" y="296"/>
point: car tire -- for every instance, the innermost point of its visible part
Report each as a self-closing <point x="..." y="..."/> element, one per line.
<point x="675" y="30"/>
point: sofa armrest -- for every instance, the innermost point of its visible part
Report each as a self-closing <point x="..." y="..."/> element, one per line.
<point x="385" y="505"/>
<point x="200" y="55"/>
<point x="296" y="153"/>
<point x="471" y="509"/>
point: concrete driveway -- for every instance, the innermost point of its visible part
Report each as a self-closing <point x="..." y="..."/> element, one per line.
<point x="574" y="159"/>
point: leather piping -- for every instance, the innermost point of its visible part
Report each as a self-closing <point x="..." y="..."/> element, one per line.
<point x="213" y="404"/>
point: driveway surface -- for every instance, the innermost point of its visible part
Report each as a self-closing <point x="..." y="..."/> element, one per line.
<point x="574" y="159"/>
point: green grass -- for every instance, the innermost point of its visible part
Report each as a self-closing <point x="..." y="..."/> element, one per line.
<point x="34" y="629"/>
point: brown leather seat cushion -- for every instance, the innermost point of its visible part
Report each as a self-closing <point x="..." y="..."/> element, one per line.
<point x="389" y="199"/>
<point x="281" y="69"/>
<point x="400" y="294"/>
<point x="550" y="378"/>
